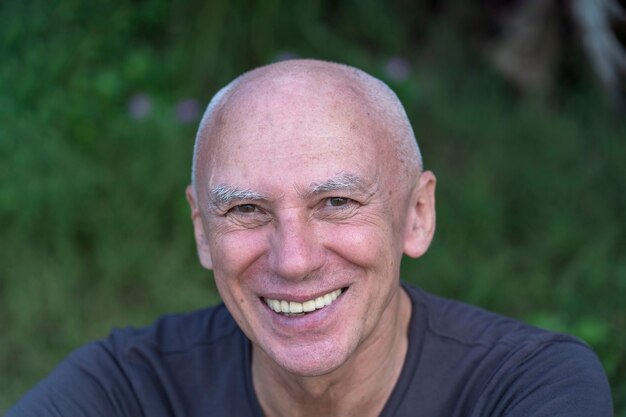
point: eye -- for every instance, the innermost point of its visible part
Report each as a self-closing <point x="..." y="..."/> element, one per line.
<point x="337" y="208"/>
<point x="244" y="209"/>
<point x="247" y="216"/>
<point x="338" y="201"/>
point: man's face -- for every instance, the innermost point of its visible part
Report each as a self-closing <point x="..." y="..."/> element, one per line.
<point x="302" y="200"/>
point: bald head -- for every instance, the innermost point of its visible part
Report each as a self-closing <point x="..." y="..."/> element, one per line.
<point x="303" y="79"/>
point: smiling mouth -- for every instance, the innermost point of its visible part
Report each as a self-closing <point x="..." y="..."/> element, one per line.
<point x="295" y="309"/>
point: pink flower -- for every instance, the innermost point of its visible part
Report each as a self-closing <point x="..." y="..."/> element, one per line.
<point x="397" y="68"/>
<point x="139" y="106"/>
<point x="187" y="110"/>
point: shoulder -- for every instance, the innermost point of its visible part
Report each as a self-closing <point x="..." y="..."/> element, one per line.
<point x="496" y="365"/>
<point x="156" y="370"/>
<point x="470" y="325"/>
<point x="554" y="379"/>
<point x="176" y="333"/>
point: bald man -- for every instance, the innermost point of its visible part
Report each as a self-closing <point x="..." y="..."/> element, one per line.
<point x="307" y="189"/>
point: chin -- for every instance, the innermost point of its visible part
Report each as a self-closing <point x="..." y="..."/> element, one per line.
<point x="310" y="360"/>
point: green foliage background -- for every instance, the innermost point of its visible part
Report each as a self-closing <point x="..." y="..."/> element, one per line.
<point x="94" y="226"/>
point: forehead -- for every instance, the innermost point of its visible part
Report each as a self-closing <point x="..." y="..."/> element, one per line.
<point x="304" y="129"/>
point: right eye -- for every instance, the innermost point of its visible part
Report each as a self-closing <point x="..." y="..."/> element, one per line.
<point x="247" y="216"/>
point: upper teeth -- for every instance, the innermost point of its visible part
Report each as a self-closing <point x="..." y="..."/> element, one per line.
<point x="294" y="307"/>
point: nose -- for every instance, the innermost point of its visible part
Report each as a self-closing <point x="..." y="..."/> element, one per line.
<point x="295" y="250"/>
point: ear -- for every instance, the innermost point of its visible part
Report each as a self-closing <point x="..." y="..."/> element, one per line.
<point x="202" y="243"/>
<point x="420" y="224"/>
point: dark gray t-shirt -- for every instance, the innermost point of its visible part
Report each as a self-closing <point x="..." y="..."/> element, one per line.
<point x="461" y="361"/>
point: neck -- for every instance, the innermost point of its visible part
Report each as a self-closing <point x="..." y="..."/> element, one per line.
<point x="359" y="387"/>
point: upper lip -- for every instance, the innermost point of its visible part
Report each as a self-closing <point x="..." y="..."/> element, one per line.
<point x="297" y="297"/>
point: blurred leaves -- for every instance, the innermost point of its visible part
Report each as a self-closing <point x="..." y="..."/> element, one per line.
<point x="95" y="227"/>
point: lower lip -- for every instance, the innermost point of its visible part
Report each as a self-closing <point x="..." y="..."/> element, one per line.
<point x="307" y="322"/>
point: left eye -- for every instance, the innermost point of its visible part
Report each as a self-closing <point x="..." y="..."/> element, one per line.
<point x="337" y="201"/>
<point x="244" y="208"/>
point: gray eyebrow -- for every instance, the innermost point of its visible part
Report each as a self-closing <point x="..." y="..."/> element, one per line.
<point x="224" y="195"/>
<point x="340" y="182"/>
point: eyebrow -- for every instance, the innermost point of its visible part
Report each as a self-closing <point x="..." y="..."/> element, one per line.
<point x="225" y="195"/>
<point x="341" y="182"/>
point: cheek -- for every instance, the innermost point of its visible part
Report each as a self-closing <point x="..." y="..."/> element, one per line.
<point x="234" y="252"/>
<point x="364" y="245"/>
<point x="234" y="255"/>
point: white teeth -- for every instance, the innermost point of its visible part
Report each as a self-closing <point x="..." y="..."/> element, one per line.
<point x="308" y="306"/>
<point x="294" y="307"/>
<point x="328" y="299"/>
